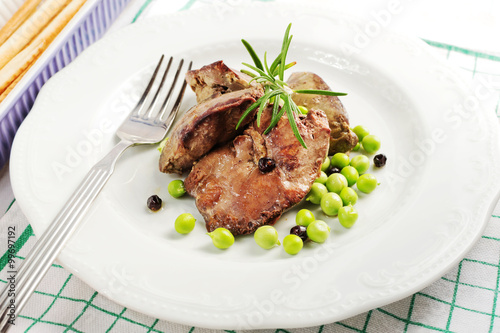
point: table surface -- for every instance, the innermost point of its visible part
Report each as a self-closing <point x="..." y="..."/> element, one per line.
<point x="464" y="300"/>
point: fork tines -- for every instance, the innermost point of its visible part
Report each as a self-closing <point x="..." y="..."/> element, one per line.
<point x="152" y="109"/>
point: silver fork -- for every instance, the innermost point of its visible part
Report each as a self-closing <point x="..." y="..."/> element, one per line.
<point x="144" y="125"/>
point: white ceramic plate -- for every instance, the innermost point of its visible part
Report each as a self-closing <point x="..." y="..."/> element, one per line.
<point x="436" y="192"/>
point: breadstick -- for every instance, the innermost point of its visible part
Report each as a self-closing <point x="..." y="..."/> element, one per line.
<point x="29" y="29"/>
<point x="43" y="40"/>
<point x="25" y="11"/>
<point x="58" y="23"/>
<point x="14" y="83"/>
<point x="18" y="64"/>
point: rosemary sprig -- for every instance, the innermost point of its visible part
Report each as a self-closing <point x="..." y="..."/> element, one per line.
<point x="275" y="88"/>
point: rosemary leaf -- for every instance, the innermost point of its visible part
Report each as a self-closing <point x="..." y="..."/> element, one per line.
<point x="319" y="92"/>
<point x="265" y="63"/>
<point x="290" y="65"/>
<point x="265" y="102"/>
<point x="276" y="105"/>
<point x="261" y="72"/>
<point x="275" y="88"/>
<point x="254" y="55"/>
<point x="295" y="108"/>
<point x="247" y="111"/>
<point x="262" y="107"/>
<point x="244" y="71"/>
<point x="282" y="83"/>
<point x="274" y="120"/>
<point x="259" y="79"/>
<point x="284" y="50"/>
<point x="275" y="65"/>
<point x="293" y="124"/>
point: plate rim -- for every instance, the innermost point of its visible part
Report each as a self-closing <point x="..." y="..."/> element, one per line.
<point x="415" y="288"/>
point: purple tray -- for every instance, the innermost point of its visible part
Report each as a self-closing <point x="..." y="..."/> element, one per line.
<point x="88" y="25"/>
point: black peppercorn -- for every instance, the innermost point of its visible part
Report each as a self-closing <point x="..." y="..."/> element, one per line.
<point x="300" y="231"/>
<point x="266" y="165"/>
<point x="332" y="170"/>
<point x="154" y="203"/>
<point x="379" y="160"/>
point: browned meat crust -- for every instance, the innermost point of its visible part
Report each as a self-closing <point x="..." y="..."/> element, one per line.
<point x="230" y="190"/>
<point x="204" y="126"/>
<point x="342" y="139"/>
<point x="216" y="79"/>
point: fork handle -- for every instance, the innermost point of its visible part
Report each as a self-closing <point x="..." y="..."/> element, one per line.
<point x="48" y="246"/>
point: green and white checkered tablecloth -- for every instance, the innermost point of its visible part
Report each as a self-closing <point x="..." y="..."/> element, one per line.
<point x="466" y="299"/>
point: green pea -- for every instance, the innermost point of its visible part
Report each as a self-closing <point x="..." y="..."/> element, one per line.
<point x="371" y="144"/>
<point x="340" y="160"/>
<point x="292" y="244"/>
<point x="351" y="174"/>
<point x="356" y="148"/>
<point x="361" y="132"/>
<point x="303" y="109"/>
<point x="330" y="203"/>
<point x="361" y="163"/>
<point x="367" y="183"/>
<point x="348" y="196"/>
<point x="266" y="237"/>
<point x="304" y="217"/>
<point x="336" y="182"/>
<point x="316" y="193"/>
<point x="318" y="231"/>
<point x="322" y="178"/>
<point x="347" y="216"/>
<point x="222" y="238"/>
<point x="184" y="223"/>
<point x="325" y="165"/>
<point x="176" y="188"/>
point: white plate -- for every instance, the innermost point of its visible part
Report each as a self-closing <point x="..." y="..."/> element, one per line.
<point x="435" y="197"/>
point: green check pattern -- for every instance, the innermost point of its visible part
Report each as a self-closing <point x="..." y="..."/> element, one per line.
<point x="466" y="299"/>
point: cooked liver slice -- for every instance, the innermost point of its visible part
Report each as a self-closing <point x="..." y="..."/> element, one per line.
<point x="216" y="79"/>
<point x="342" y="139"/>
<point x="230" y="190"/>
<point x="205" y="125"/>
